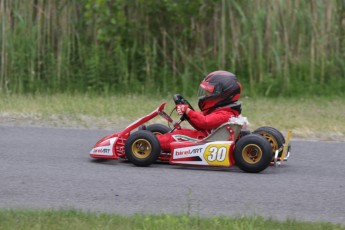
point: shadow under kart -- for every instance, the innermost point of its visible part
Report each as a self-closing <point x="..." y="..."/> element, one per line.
<point x="228" y="145"/>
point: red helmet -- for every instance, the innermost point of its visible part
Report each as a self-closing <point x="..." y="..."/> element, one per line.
<point x="219" y="88"/>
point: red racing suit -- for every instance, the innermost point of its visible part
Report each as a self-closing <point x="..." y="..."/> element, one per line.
<point x="203" y="124"/>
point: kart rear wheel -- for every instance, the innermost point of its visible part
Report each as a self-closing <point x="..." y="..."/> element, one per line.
<point x="243" y="133"/>
<point x="142" y="148"/>
<point x="158" y="129"/>
<point x="252" y="153"/>
<point x="274" y="137"/>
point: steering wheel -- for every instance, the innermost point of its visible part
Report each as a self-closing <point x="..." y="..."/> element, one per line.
<point x="178" y="99"/>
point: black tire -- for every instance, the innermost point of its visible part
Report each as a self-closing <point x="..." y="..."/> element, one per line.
<point x="274" y="137"/>
<point x="142" y="148"/>
<point x="252" y="153"/>
<point x="243" y="133"/>
<point x="158" y="129"/>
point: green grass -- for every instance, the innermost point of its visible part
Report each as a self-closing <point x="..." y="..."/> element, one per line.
<point x="72" y="219"/>
<point x="312" y="118"/>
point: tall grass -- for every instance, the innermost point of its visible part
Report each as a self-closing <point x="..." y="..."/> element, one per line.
<point x="275" y="47"/>
<point x="37" y="44"/>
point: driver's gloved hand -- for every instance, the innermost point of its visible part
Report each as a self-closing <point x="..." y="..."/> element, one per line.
<point x="181" y="109"/>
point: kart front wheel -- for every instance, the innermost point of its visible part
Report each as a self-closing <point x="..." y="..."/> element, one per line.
<point x="252" y="153"/>
<point x="158" y="129"/>
<point x="142" y="148"/>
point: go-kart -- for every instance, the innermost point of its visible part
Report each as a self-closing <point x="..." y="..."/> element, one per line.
<point x="228" y="145"/>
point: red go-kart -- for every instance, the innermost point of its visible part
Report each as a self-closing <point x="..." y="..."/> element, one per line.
<point x="228" y="145"/>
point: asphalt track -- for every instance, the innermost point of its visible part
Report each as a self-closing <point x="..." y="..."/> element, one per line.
<point x="50" y="168"/>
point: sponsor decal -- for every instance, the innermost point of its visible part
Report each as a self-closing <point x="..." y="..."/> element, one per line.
<point x="213" y="154"/>
<point x="184" y="138"/>
<point x="188" y="152"/>
<point x="103" y="149"/>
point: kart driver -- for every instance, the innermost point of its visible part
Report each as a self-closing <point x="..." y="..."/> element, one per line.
<point x="218" y="95"/>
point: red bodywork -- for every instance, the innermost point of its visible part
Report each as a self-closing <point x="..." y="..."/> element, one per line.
<point x="215" y="150"/>
<point x="118" y="147"/>
<point x="113" y="146"/>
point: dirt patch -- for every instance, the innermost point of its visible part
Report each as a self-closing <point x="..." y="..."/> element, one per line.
<point x="61" y="121"/>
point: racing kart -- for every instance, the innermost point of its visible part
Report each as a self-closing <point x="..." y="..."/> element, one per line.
<point x="229" y="145"/>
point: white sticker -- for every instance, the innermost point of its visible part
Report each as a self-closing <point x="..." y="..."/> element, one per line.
<point x="104" y="150"/>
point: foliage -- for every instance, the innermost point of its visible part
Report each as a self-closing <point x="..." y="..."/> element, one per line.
<point x="275" y="48"/>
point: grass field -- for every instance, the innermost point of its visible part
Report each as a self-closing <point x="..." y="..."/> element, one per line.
<point x="71" y="219"/>
<point x="311" y="118"/>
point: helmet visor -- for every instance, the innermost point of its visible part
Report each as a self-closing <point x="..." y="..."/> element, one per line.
<point x="205" y="90"/>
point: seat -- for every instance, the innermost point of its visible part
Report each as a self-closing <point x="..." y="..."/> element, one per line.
<point x="228" y="131"/>
<point x="225" y="132"/>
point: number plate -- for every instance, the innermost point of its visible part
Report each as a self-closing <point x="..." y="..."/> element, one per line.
<point x="209" y="154"/>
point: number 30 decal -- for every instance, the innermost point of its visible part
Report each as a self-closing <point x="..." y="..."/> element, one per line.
<point x="217" y="154"/>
